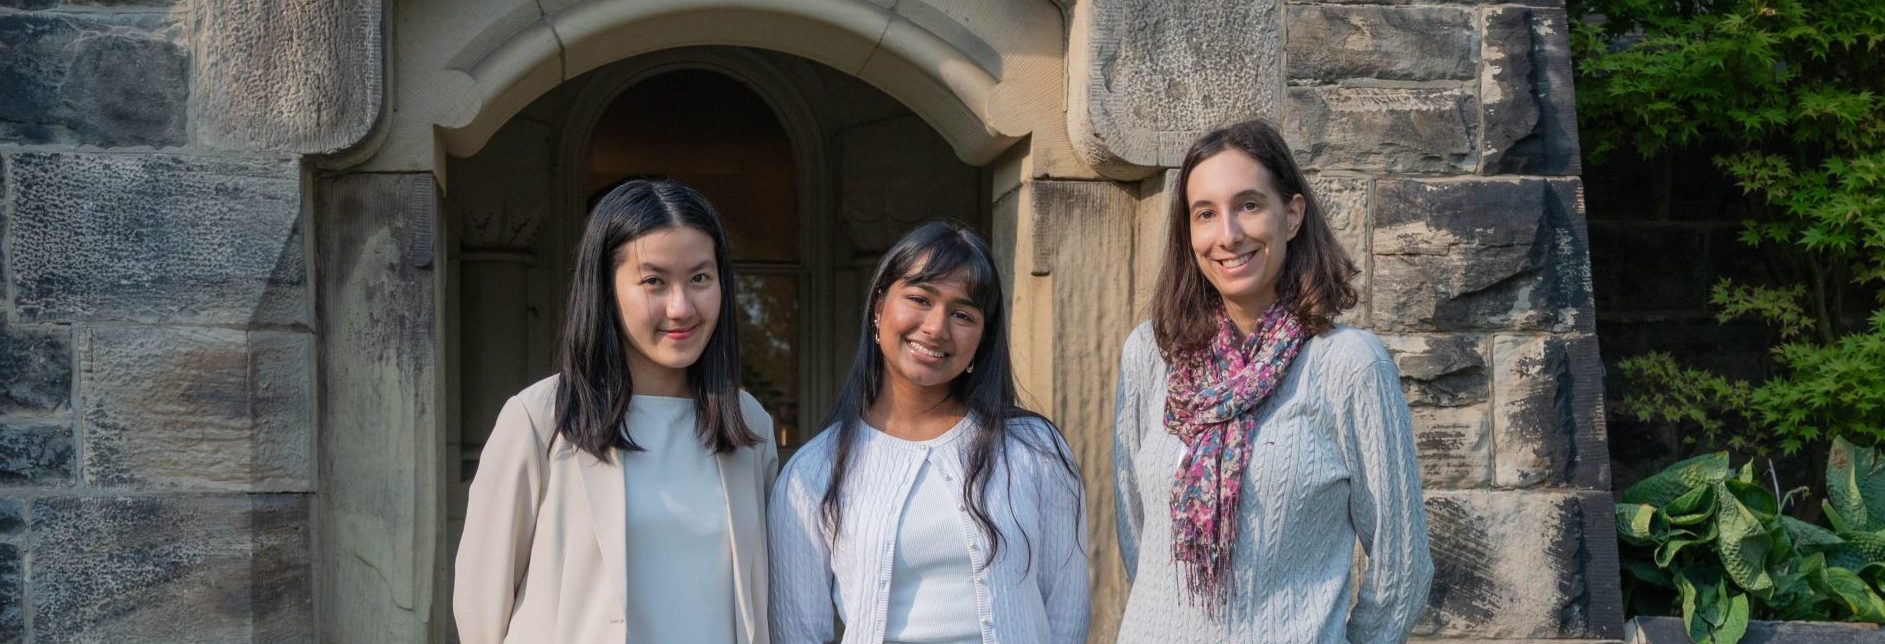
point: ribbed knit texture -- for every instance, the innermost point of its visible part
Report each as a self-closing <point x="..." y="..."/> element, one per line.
<point x="1332" y="463"/>
<point x="1035" y="591"/>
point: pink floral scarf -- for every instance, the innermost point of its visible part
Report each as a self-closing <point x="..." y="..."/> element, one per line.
<point x="1211" y="404"/>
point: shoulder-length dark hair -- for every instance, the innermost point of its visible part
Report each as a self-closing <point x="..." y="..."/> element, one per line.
<point x="593" y="393"/>
<point x="1315" y="283"/>
<point x="932" y="252"/>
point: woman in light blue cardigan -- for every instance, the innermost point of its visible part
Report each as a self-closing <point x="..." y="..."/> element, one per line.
<point x="1255" y="440"/>
<point x="933" y="508"/>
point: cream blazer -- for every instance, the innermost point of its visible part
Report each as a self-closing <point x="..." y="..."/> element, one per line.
<point x="544" y="557"/>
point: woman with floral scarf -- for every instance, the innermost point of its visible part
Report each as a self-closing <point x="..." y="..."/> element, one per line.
<point x="1256" y="441"/>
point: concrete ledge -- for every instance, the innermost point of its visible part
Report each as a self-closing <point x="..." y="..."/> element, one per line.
<point x="1668" y="630"/>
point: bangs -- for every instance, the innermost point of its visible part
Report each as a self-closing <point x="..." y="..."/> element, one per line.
<point x="950" y="257"/>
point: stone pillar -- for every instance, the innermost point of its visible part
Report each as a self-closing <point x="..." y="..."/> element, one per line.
<point x="1440" y="138"/>
<point x="382" y="440"/>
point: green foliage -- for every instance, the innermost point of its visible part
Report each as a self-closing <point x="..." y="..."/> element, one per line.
<point x="1793" y="94"/>
<point x="1707" y="541"/>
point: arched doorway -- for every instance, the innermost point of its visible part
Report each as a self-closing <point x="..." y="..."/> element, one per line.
<point x="814" y="173"/>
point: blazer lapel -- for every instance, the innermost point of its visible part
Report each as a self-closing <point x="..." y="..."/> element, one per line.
<point x="736" y="481"/>
<point x="602" y="489"/>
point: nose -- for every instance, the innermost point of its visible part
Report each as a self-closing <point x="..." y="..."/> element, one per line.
<point x="933" y="322"/>
<point x="1232" y="232"/>
<point x="677" y="306"/>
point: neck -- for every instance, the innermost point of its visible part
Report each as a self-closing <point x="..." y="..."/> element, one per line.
<point x="914" y="413"/>
<point x="1246" y="312"/>
<point x="650" y="379"/>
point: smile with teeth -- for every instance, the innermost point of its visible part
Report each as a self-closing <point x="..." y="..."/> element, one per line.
<point x="1237" y="261"/>
<point x="924" y="350"/>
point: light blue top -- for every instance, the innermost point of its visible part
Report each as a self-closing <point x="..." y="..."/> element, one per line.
<point x="680" y="557"/>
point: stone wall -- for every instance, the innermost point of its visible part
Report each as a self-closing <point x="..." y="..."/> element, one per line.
<point x="1441" y="140"/>
<point x="157" y="346"/>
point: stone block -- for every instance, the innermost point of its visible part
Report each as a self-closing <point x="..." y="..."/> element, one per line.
<point x="1522" y="565"/>
<point x="197" y="568"/>
<point x="1344" y="202"/>
<point x="1382" y="129"/>
<point x="1452" y="446"/>
<point x="286" y="76"/>
<point x="1440" y="370"/>
<point x="99" y="79"/>
<point x="197" y="408"/>
<point x="35" y="369"/>
<point x="35" y="452"/>
<point x="157" y="239"/>
<point x="1489" y="254"/>
<point x="1528" y="109"/>
<point x="12" y="517"/>
<point x="12" y="595"/>
<point x="1146" y="78"/>
<point x="1547" y="412"/>
<point x="1333" y="42"/>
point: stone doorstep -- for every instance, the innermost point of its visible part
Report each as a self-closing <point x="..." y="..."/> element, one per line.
<point x="1669" y="630"/>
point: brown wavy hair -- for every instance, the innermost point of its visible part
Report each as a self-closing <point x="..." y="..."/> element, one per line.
<point x="1317" y="273"/>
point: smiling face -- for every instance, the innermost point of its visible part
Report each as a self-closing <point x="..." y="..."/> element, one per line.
<point x="928" y="332"/>
<point x="667" y="294"/>
<point x="1240" y="230"/>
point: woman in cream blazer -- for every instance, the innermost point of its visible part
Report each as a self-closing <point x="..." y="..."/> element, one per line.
<point x="624" y="499"/>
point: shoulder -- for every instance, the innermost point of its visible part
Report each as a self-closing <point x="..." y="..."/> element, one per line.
<point x="810" y="464"/>
<point x="1141" y="345"/>
<point x="756" y="415"/>
<point x="538" y="402"/>
<point x="1346" y="349"/>
<point x="1039" y="442"/>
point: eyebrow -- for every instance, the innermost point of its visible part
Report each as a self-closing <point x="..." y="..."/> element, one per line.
<point x="963" y="301"/>
<point x="703" y="265"/>
<point x="1247" y="192"/>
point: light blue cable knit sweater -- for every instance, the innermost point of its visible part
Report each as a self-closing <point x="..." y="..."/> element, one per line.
<point x="1332" y="462"/>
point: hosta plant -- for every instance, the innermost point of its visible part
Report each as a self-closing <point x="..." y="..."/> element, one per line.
<point x="1708" y="541"/>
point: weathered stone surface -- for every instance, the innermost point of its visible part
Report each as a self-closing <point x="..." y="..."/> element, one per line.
<point x="35" y="452"/>
<point x="157" y="239"/>
<point x="198" y="568"/>
<point x="1382" y="129"/>
<point x="35" y="369"/>
<point x="286" y="76"/>
<point x="1528" y="111"/>
<point x="1522" y="565"/>
<point x="94" y="79"/>
<point x="29" y="4"/>
<point x="195" y="408"/>
<point x="1452" y="446"/>
<point x="381" y="418"/>
<point x="1148" y="77"/>
<point x="12" y="516"/>
<point x="1547" y="408"/>
<point x="12" y="618"/>
<point x="1391" y="43"/>
<point x="1344" y="202"/>
<point x="1440" y="370"/>
<point x="1463" y="255"/>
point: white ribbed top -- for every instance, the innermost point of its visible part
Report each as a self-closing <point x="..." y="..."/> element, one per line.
<point x="1333" y="463"/>
<point x="932" y="580"/>
<point x="1035" y="590"/>
<point x="680" y="559"/>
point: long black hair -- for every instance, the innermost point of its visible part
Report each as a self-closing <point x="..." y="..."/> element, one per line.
<point x="593" y="393"/>
<point x="933" y="252"/>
